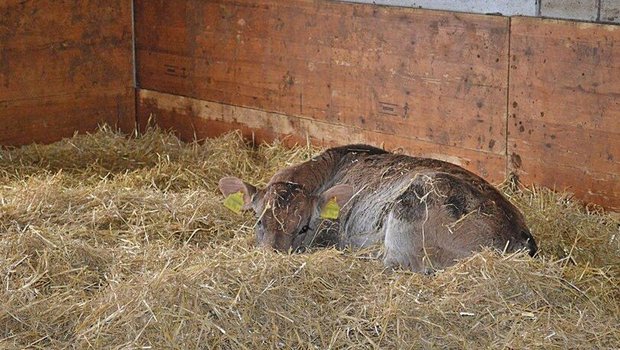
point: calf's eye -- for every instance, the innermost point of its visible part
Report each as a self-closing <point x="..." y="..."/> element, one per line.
<point x="304" y="229"/>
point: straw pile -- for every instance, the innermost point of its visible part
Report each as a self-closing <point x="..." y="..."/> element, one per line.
<point x="115" y="242"/>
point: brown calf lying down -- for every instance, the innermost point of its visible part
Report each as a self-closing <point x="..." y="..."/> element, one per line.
<point x="427" y="213"/>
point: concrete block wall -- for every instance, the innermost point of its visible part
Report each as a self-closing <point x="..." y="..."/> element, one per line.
<point x="610" y="11"/>
<point x="585" y="10"/>
<point x="606" y="11"/>
<point x="504" y="7"/>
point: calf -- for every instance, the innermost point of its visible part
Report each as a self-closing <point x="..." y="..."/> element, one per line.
<point x="426" y="212"/>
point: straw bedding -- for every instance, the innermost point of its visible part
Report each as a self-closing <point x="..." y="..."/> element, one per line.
<point x="115" y="242"/>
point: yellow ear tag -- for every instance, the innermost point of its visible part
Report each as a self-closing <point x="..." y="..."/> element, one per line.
<point x="331" y="210"/>
<point x="235" y="202"/>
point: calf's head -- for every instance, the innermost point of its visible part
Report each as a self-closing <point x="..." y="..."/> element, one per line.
<point x="289" y="216"/>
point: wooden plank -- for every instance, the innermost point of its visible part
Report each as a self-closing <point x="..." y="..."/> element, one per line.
<point x="564" y="104"/>
<point x="49" y="119"/>
<point x="70" y="71"/>
<point x="191" y="118"/>
<point x="428" y="76"/>
<point x="64" y="67"/>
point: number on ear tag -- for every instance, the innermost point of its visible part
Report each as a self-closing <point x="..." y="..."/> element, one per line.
<point x="235" y="202"/>
<point x="331" y="210"/>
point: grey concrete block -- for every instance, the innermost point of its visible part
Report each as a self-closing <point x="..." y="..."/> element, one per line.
<point x="505" y="7"/>
<point x="586" y="10"/>
<point x="610" y="11"/>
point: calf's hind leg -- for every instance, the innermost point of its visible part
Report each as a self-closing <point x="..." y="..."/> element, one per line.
<point x="401" y="249"/>
<point x="409" y="237"/>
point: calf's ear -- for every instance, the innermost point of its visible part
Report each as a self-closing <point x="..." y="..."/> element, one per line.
<point x="238" y="193"/>
<point x="332" y="199"/>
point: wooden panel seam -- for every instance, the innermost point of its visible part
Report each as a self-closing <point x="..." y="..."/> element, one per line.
<point x="507" y="105"/>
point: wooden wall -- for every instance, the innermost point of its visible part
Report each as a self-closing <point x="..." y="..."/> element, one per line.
<point x="564" y="125"/>
<point x="65" y="66"/>
<point x="540" y="98"/>
<point x="433" y="83"/>
<point x="493" y="94"/>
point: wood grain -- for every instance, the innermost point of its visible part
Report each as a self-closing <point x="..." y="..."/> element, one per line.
<point x="51" y="118"/>
<point x="434" y="77"/>
<point x="192" y="118"/>
<point x="564" y="105"/>
<point x="432" y="83"/>
<point x="64" y="67"/>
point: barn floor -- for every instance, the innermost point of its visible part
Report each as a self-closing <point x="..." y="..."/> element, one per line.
<point x="109" y="242"/>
